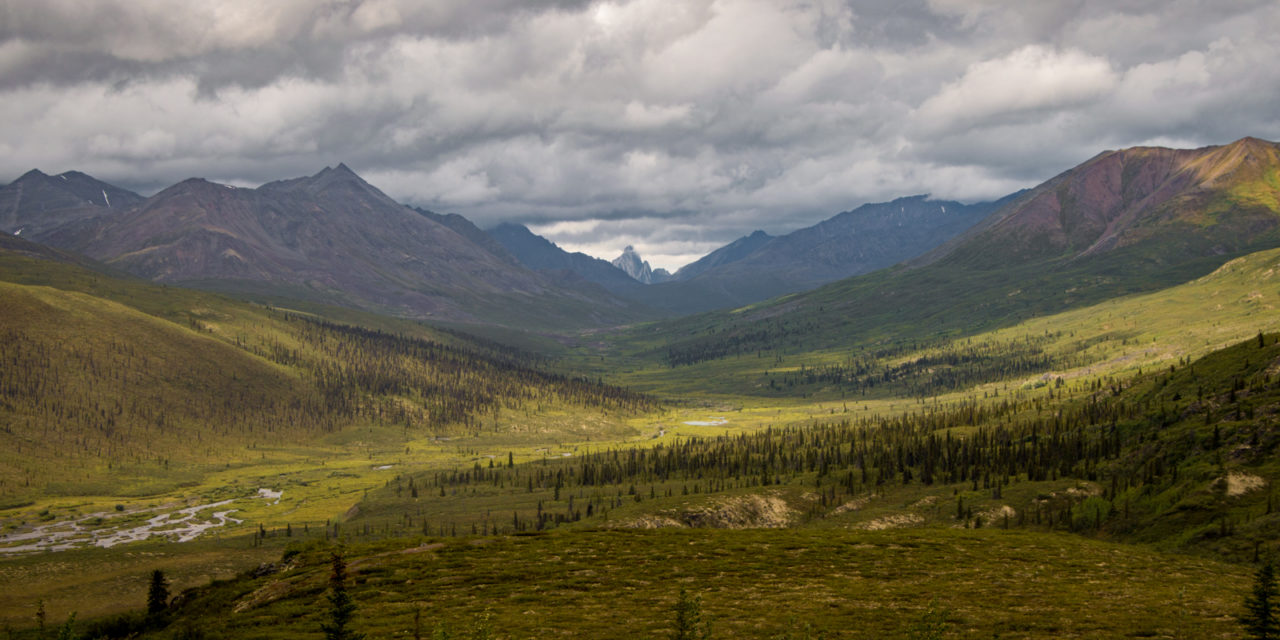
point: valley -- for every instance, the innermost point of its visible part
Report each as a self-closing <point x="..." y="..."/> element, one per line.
<point x="1076" y="406"/>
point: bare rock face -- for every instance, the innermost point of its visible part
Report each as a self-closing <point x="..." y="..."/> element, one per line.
<point x="631" y="263"/>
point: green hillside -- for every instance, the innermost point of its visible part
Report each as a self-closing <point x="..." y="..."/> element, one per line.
<point x="146" y="389"/>
<point x="1122" y="334"/>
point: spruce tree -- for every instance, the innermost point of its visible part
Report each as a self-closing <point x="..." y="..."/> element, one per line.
<point x="341" y="608"/>
<point x="157" y="594"/>
<point x="1259" y="619"/>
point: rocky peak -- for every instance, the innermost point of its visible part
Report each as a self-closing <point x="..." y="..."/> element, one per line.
<point x="636" y="267"/>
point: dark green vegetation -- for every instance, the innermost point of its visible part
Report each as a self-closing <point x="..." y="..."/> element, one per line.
<point x="1183" y="459"/>
<point x="1260" y="620"/>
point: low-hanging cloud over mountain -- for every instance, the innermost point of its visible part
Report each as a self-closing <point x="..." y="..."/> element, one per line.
<point x="673" y="127"/>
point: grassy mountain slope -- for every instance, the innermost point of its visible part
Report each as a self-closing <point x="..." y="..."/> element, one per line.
<point x="1114" y="337"/>
<point x="134" y="376"/>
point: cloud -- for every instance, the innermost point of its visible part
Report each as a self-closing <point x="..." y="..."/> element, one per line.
<point x="674" y="127"/>
<point x="1027" y="82"/>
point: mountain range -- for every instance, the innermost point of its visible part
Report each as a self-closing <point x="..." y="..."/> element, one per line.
<point x="1124" y="220"/>
<point x="329" y="238"/>
<point x="761" y="266"/>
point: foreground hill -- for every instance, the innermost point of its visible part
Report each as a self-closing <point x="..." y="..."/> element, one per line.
<point x="752" y="584"/>
<point x="329" y="238"/>
<point x="1125" y="222"/>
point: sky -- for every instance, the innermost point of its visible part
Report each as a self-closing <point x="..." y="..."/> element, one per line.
<point x="675" y="127"/>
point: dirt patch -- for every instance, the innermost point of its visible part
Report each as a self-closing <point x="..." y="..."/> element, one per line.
<point x="998" y="515"/>
<point x="854" y="505"/>
<point x="1084" y="490"/>
<point x="742" y="512"/>
<point x="739" y="512"/>
<point x="651" y="522"/>
<point x="924" y="502"/>
<point x="1239" y="484"/>
<point x="896" y="521"/>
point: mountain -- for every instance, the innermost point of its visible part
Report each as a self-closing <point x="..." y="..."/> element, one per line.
<point x="732" y="252"/>
<point x="1213" y="200"/>
<point x="759" y="266"/>
<point x="470" y="231"/>
<point x="538" y="253"/>
<point x="636" y="267"/>
<point x="1124" y="222"/>
<point x="36" y="203"/>
<point x="871" y="237"/>
<point x="335" y="239"/>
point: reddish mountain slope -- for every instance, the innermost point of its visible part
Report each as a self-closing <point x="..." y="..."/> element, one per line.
<point x="1217" y="198"/>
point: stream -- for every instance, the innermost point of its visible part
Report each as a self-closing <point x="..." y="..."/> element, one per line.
<point x="95" y="529"/>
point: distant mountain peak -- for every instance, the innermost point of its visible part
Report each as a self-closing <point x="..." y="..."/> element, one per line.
<point x="341" y="174"/>
<point x="340" y="170"/>
<point x="32" y="175"/>
<point x="636" y="267"/>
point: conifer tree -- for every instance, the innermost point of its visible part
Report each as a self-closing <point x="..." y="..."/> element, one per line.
<point x="1259" y="619"/>
<point x="157" y="594"/>
<point x="341" y="608"/>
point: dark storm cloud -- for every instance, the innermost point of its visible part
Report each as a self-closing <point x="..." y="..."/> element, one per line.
<point x="674" y="127"/>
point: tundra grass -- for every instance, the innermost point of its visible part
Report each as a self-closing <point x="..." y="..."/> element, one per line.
<point x="752" y="584"/>
<point x="96" y="582"/>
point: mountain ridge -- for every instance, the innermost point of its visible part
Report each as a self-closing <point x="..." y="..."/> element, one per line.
<point x="331" y="237"/>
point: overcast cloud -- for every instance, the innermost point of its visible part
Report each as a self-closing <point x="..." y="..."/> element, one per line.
<point x="672" y="126"/>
